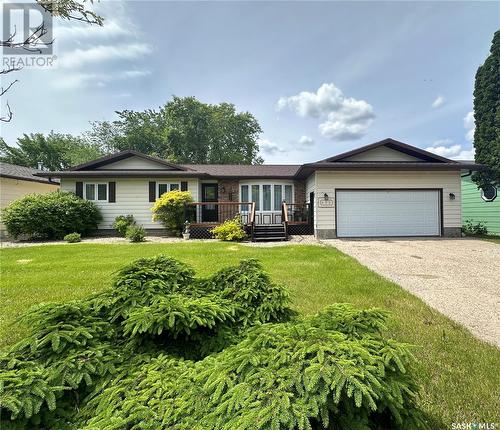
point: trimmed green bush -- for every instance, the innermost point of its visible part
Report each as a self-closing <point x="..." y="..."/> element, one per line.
<point x="135" y="233"/>
<point x="73" y="238"/>
<point x="122" y="222"/>
<point x="169" y="210"/>
<point x="162" y="349"/>
<point x="229" y="230"/>
<point x="50" y="216"/>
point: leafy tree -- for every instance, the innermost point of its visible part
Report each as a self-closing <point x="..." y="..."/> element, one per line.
<point x="185" y="130"/>
<point x="55" y="151"/>
<point x="487" y="116"/>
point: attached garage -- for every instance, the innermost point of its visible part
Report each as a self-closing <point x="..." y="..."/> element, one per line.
<point x="388" y="212"/>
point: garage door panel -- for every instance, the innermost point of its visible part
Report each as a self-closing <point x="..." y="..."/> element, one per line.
<point x="367" y="213"/>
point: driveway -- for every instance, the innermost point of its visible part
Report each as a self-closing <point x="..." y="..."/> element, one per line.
<point x="458" y="277"/>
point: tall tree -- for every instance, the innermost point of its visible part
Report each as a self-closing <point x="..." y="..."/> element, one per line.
<point x="487" y="116"/>
<point x="185" y="130"/>
<point x="55" y="151"/>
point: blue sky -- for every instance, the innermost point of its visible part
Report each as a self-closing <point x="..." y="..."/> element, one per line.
<point x="320" y="77"/>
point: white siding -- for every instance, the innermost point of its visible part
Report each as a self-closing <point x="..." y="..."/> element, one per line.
<point x="382" y="153"/>
<point x="327" y="182"/>
<point x="133" y="163"/>
<point x="132" y="197"/>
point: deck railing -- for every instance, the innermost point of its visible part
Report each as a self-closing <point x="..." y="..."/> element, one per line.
<point x="298" y="213"/>
<point x="213" y="213"/>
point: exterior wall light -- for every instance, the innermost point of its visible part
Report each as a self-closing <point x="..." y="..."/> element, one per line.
<point x="452" y="196"/>
<point x="325" y="196"/>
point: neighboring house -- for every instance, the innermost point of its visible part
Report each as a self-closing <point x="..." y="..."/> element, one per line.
<point x="387" y="188"/>
<point x="480" y="204"/>
<point x="17" y="181"/>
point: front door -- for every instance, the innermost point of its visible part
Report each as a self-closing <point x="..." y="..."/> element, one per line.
<point x="209" y="193"/>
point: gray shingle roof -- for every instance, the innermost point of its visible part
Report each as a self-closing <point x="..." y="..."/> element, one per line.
<point x="245" y="170"/>
<point x="14" y="171"/>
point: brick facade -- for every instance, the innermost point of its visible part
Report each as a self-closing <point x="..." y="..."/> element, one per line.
<point x="300" y="191"/>
<point x="229" y="191"/>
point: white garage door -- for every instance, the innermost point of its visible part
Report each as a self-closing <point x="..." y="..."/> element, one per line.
<point x="363" y="213"/>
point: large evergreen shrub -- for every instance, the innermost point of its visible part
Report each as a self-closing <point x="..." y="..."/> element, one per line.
<point x="162" y="349"/>
<point x="50" y="215"/>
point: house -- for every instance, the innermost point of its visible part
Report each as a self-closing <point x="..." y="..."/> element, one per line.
<point x="388" y="188"/>
<point x="480" y="205"/>
<point x="17" y="181"/>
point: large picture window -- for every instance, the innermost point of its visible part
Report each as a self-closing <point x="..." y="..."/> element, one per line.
<point x="96" y="192"/>
<point x="267" y="197"/>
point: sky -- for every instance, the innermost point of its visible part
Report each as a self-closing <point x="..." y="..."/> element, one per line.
<point x="320" y="77"/>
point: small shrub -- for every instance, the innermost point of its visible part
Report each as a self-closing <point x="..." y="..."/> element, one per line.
<point x="51" y="215"/>
<point x="135" y="233"/>
<point x="231" y="229"/>
<point x="169" y="210"/>
<point x="73" y="238"/>
<point x="122" y="222"/>
<point x="471" y="229"/>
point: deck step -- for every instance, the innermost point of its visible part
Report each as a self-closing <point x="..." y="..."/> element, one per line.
<point x="268" y="233"/>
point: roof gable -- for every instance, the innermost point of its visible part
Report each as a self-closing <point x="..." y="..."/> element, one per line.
<point x="128" y="160"/>
<point x="387" y="150"/>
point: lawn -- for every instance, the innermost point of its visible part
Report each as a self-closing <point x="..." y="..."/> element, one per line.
<point x="459" y="374"/>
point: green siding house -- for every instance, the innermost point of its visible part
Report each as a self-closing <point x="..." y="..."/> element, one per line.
<point x="477" y="209"/>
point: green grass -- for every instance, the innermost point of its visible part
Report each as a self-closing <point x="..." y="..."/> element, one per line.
<point x="459" y="374"/>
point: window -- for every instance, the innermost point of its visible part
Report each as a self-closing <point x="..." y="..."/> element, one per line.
<point x="90" y="191"/>
<point x="244" y="193"/>
<point x="102" y="192"/>
<point x="165" y="188"/>
<point x="266" y="197"/>
<point x="97" y="192"/>
<point x="488" y="193"/>
<point x="256" y="196"/>
<point x="278" y="197"/>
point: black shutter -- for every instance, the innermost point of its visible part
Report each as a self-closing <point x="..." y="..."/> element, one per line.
<point x="152" y="191"/>
<point x="79" y="189"/>
<point x="184" y="186"/>
<point x="112" y="192"/>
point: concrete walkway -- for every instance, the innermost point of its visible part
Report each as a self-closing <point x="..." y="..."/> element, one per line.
<point x="458" y="277"/>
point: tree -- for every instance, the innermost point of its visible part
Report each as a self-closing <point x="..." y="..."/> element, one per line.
<point x="487" y="116"/>
<point x="185" y="130"/>
<point x="55" y="151"/>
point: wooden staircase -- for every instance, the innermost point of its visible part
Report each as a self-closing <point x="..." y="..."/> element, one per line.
<point x="268" y="233"/>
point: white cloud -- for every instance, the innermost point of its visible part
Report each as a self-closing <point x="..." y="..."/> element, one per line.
<point x="306" y="141"/>
<point x="63" y="31"/>
<point x="269" y="148"/>
<point x="470" y="126"/>
<point x="345" y="118"/>
<point x="101" y="53"/>
<point x="76" y="80"/>
<point x="440" y="101"/>
<point x="445" y="148"/>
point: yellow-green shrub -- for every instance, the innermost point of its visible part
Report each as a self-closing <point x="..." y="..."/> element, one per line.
<point x="231" y="229"/>
<point x="169" y="209"/>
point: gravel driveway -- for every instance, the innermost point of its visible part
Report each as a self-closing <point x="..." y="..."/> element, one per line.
<point x="458" y="277"/>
